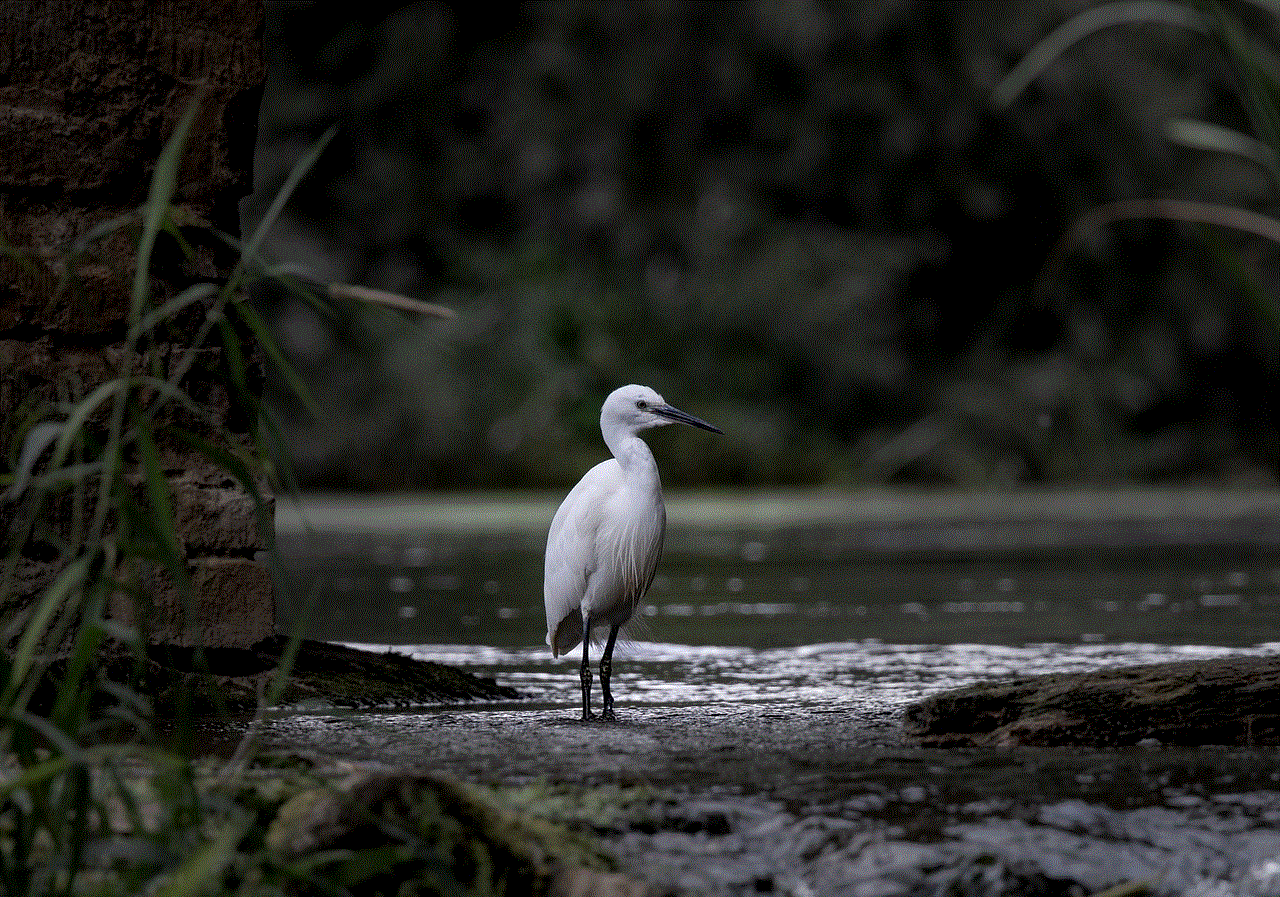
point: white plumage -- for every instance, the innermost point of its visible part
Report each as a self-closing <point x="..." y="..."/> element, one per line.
<point x="605" y="539"/>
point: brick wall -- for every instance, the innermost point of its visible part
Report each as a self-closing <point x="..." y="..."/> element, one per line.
<point x="89" y="93"/>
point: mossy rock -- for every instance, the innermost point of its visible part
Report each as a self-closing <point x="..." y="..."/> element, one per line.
<point x="229" y="680"/>
<point x="1219" y="701"/>
<point x="418" y="834"/>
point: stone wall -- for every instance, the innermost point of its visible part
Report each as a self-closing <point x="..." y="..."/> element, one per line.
<point x="89" y="93"/>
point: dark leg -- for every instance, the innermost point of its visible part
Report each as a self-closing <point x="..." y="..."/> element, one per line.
<point x="585" y="672"/>
<point x="606" y="667"/>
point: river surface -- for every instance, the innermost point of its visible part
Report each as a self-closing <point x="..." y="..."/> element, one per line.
<point x="760" y="692"/>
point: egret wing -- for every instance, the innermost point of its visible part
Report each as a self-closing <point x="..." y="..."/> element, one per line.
<point x="631" y="540"/>
<point x="571" y="555"/>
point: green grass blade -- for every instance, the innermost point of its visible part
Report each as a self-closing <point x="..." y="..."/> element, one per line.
<point x="270" y="348"/>
<point x="65" y="476"/>
<point x="277" y="447"/>
<point x="57" y="739"/>
<point x="371" y="296"/>
<point x="268" y="221"/>
<point x="35" y="775"/>
<point x="100" y="230"/>
<point x="80" y="414"/>
<point x="124" y="795"/>
<point x="159" y="500"/>
<point x="1207" y="136"/>
<point x="168" y="390"/>
<point x="72" y="705"/>
<point x="172" y="227"/>
<point x="163" y="184"/>
<point x="1080" y="26"/>
<point x="71" y="579"/>
<point x="233" y="465"/>
<point x="1253" y="63"/>
<point x="38" y="438"/>
<point x="197" y="292"/>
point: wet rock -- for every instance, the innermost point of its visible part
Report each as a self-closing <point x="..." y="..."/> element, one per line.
<point x="349" y="677"/>
<point x="1225" y="701"/>
<point x="203" y="680"/>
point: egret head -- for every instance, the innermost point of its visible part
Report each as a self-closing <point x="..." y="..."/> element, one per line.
<point x="637" y="408"/>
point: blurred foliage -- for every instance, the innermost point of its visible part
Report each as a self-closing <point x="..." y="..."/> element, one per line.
<point x="803" y="221"/>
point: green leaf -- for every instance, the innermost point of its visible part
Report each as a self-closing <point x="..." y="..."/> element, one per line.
<point x="268" y="221"/>
<point x="35" y="775"/>
<point x="169" y="390"/>
<point x="172" y="228"/>
<point x="391" y="300"/>
<point x="197" y="292"/>
<point x="101" y="230"/>
<point x="277" y="447"/>
<point x="1258" y="72"/>
<point x="57" y="739"/>
<point x="163" y="183"/>
<point x="269" y="347"/>
<point x="160" y="501"/>
<point x="1205" y="135"/>
<point x="80" y="414"/>
<point x="73" y="696"/>
<point x="70" y="580"/>
<point x="38" y="438"/>
<point x="63" y="476"/>
<point x="233" y="355"/>
<point x="1080" y="26"/>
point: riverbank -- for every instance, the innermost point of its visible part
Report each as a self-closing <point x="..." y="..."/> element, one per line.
<point x="717" y="800"/>
<point x="761" y="748"/>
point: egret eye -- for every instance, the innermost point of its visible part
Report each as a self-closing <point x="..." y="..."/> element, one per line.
<point x="641" y="404"/>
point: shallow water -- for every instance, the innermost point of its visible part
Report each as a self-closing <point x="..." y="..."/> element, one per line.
<point x="761" y="692"/>
<point x="786" y="616"/>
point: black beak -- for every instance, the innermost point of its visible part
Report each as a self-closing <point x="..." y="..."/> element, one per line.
<point x="679" y="416"/>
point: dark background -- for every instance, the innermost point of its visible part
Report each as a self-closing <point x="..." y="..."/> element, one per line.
<point x="803" y="221"/>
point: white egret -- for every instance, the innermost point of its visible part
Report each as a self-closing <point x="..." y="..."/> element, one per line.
<point x="605" y="539"/>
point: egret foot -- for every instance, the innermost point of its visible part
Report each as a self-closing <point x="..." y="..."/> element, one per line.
<point x="607" y="715"/>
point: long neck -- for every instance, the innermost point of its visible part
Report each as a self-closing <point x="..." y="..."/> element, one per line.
<point x="634" y="458"/>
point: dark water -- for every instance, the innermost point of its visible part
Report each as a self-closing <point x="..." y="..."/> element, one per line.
<point x="770" y="590"/>
<point x="762" y="687"/>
